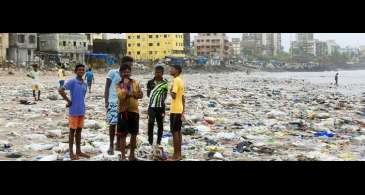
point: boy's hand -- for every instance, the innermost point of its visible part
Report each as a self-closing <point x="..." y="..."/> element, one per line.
<point x="126" y="81"/>
<point x="182" y="117"/>
<point x="69" y="103"/>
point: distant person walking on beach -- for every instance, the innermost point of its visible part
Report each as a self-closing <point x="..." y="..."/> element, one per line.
<point x="34" y="74"/>
<point x="61" y="75"/>
<point x="336" y="79"/>
<point x="89" y="77"/>
<point x="78" y="88"/>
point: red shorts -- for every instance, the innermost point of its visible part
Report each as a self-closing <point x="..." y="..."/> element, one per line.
<point x="76" y="122"/>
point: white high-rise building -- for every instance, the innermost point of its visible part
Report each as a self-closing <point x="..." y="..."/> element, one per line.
<point x="112" y="36"/>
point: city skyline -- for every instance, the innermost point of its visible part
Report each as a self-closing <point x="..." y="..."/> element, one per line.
<point x="342" y="39"/>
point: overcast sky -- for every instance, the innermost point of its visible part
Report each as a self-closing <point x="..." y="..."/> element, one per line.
<point x="343" y="39"/>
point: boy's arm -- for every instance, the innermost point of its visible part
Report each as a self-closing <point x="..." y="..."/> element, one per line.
<point x="148" y="89"/>
<point x="121" y="93"/>
<point x="174" y="89"/>
<point x="183" y="101"/>
<point x="106" y="92"/>
<point x="30" y="75"/>
<point x="62" y="92"/>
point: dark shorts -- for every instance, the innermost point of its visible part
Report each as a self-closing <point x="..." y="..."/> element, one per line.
<point x="175" y="122"/>
<point x="89" y="83"/>
<point x="128" y="122"/>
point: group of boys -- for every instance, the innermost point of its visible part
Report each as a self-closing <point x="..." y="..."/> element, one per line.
<point x="122" y="94"/>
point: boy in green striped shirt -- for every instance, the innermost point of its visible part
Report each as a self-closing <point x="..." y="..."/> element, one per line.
<point x="157" y="92"/>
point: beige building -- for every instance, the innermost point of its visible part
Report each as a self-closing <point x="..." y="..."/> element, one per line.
<point x="212" y="45"/>
<point x="91" y="37"/>
<point x="236" y="46"/>
<point x="4" y="44"/>
<point x="304" y="44"/>
<point x="71" y="46"/>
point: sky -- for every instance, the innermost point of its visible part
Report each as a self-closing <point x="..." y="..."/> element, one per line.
<point x="343" y="39"/>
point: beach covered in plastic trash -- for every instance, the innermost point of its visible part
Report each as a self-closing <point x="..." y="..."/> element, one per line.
<point x="230" y="117"/>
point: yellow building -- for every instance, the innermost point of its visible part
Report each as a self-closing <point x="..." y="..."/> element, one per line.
<point x="4" y="44"/>
<point x="153" y="46"/>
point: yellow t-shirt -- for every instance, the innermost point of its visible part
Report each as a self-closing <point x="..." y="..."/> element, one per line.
<point x="178" y="88"/>
<point x="61" y="76"/>
<point x="125" y="103"/>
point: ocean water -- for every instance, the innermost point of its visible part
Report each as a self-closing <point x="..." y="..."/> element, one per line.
<point x="350" y="82"/>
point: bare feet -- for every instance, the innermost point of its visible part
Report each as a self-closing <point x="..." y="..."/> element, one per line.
<point x="117" y="147"/>
<point x="122" y="158"/>
<point x="133" y="158"/>
<point x="111" y="151"/>
<point x="83" y="155"/>
<point x="174" y="159"/>
<point x="74" y="157"/>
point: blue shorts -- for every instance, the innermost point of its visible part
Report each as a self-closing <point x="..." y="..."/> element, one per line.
<point x="112" y="114"/>
<point x="62" y="82"/>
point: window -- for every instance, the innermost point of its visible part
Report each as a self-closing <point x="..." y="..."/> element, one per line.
<point x="176" y="44"/>
<point x="31" y="39"/>
<point x="176" y="36"/>
<point x="129" y="53"/>
<point x="21" y="38"/>
<point x="150" y="44"/>
<point x="138" y="44"/>
<point x="165" y="35"/>
<point x="138" y="52"/>
<point x="43" y="43"/>
<point x="74" y="43"/>
<point x="158" y="44"/>
<point x="29" y="52"/>
<point x="138" y="37"/>
<point x="150" y="52"/>
<point x="84" y="44"/>
<point x="156" y="36"/>
<point x="129" y="44"/>
<point x="150" y="36"/>
<point x="129" y="37"/>
<point x="64" y="43"/>
<point x="164" y="52"/>
<point x="208" y="34"/>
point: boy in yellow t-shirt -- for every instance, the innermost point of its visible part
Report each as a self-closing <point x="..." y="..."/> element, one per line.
<point x="61" y="75"/>
<point x="177" y="110"/>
